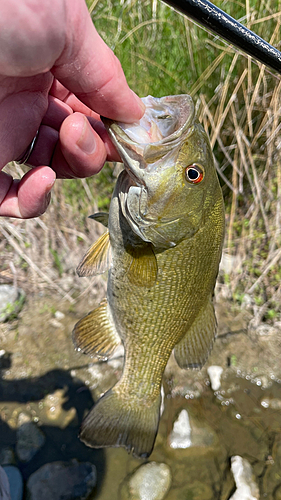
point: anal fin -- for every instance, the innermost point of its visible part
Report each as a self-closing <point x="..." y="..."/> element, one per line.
<point x="98" y="258"/>
<point x="95" y="333"/>
<point x="192" y="351"/>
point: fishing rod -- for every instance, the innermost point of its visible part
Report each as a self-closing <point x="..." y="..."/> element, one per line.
<point x="217" y="21"/>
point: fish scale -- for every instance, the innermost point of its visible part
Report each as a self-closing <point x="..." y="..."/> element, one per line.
<point x="162" y="249"/>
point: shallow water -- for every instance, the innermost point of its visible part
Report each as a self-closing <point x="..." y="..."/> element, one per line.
<point x="54" y="386"/>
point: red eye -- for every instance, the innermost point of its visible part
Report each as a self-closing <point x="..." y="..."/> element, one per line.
<point x="194" y="173"/>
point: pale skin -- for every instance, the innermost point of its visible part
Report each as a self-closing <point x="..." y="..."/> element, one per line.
<point x="56" y="75"/>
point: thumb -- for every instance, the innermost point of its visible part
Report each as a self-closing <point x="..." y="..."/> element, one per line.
<point x="89" y="69"/>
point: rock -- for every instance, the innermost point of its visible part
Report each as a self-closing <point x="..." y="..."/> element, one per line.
<point x="215" y="373"/>
<point x="150" y="481"/>
<point x="243" y="476"/>
<point x="7" y="456"/>
<point x="180" y="436"/>
<point x="59" y="315"/>
<point x="29" y="438"/>
<point x="11" y="301"/>
<point x="187" y="432"/>
<point x="55" y="323"/>
<point x="62" y="481"/>
<point x="15" y="481"/>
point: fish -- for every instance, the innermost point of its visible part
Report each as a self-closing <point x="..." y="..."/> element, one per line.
<point x="162" y="247"/>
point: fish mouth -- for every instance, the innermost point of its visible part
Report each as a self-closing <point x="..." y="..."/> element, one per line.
<point x="166" y="123"/>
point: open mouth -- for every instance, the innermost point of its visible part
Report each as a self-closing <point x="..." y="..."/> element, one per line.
<point x="164" y="120"/>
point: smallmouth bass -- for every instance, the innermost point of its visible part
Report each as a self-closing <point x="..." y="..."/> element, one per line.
<point x="162" y="247"/>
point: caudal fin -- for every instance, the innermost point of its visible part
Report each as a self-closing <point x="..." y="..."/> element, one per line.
<point x="114" y="421"/>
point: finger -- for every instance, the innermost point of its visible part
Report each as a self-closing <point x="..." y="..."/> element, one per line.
<point x="81" y="151"/>
<point x="78" y="150"/>
<point x="21" y="113"/>
<point x="28" y="197"/>
<point x="57" y="112"/>
<point x="92" y="72"/>
<point x="62" y="94"/>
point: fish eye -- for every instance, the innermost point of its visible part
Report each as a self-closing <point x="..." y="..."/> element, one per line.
<point x="194" y="173"/>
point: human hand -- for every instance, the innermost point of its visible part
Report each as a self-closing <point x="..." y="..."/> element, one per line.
<point x="58" y="76"/>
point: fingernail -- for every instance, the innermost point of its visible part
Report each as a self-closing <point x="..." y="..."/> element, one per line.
<point x="140" y="103"/>
<point x="87" y="142"/>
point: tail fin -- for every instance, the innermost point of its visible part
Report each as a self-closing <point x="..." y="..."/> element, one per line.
<point x="114" y="421"/>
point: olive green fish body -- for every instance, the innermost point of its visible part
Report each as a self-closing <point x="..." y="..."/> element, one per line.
<point x="165" y="234"/>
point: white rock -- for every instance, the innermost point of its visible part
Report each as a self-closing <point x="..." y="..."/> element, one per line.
<point x="150" y="481"/>
<point x="59" y="315"/>
<point x="243" y="476"/>
<point x="180" y="436"/>
<point x="215" y="373"/>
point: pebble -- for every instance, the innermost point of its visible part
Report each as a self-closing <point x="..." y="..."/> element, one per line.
<point x="55" y="323"/>
<point x="7" y="456"/>
<point x="150" y="481"/>
<point x="15" y="481"/>
<point x="215" y="373"/>
<point x="62" y="481"/>
<point x="180" y="436"/>
<point x="59" y="315"/>
<point x="29" y="438"/>
<point x="242" y="472"/>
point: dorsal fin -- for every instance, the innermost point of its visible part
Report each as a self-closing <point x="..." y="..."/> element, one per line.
<point x="101" y="217"/>
<point x="192" y="351"/>
<point x="98" y="258"/>
<point x="95" y="333"/>
<point x="143" y="268"/>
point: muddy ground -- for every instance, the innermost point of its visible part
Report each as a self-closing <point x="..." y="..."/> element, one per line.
<point x="46" y="380"/>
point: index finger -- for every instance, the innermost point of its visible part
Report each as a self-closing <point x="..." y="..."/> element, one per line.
<point x="89" y="69"/>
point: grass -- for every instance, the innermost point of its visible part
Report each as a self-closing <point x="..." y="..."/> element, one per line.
<point x="239" y="104"/>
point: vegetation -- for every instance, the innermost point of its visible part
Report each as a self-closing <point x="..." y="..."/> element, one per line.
<point x="238" y="102"/>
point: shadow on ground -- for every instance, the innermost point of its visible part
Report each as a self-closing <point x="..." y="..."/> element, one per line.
<point x="61" y="443"/>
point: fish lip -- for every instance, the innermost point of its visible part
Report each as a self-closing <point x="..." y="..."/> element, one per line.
<point x="186" y="116"/>
<point x="141" y="158"/>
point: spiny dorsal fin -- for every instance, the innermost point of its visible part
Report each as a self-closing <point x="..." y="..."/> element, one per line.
<point x="95" y="333"/>
<point x="192" y="351"/>
<point x="101" y="217"/>
<point x="143" y="267"/>
<point x="98" y="258"/>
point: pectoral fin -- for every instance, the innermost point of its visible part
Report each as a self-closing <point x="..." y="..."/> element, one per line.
<point x="95" y="333"/>
<point x="98" y="258"/>
<point x="143" y="268"/>
<point x="192" y="351"/>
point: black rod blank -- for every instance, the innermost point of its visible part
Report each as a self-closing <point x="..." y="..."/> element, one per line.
<point x="217" y="21"/>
